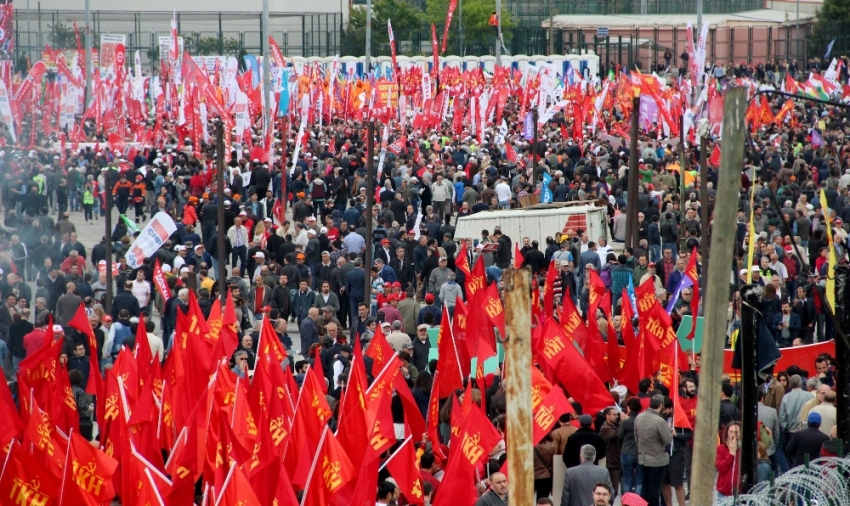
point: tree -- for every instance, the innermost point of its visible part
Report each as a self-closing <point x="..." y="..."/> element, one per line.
<point x="833" y="23"/>
<point x="406" y="20"/>
<point x="63" y="36"/>
<point x="206" y="46"/>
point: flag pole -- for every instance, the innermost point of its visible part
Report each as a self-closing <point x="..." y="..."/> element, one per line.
<point x="518" y="385"/>
<point x="65" y="469"/>
<point x="708" y="405"/>
<point x="313" y="466"/>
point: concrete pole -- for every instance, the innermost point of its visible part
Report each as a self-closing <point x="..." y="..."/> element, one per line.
<point x="267" y="120"/>
<point x="499" y="32"/>
<point x="29" y="30"/>
<point x="717" y="300"/>
<point x="89" y="69"/>
<point x="551" y="29"/>
<point x="107" y="222"/>
<point x="518" y="386"/>
<point x="220" y="253"/>
<point x="703" y="196"/>
<point x="370" y="203"/>
<point x="460" y="27"/>
<point x="368" y="60"/>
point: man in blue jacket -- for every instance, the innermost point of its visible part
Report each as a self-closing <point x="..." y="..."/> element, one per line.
<point x="355" y="287"/>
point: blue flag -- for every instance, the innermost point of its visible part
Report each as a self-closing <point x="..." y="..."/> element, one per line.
<point x="251" y="63"/>
<point x="528" y="127"/>
<point x="546" y="192"/>
<point x="283" y="107"/>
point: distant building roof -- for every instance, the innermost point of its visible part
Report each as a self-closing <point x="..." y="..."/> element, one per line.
<point x="760" y="17"/>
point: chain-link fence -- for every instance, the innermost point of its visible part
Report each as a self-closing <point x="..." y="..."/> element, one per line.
<point x="204" y="33"/>
<point x="725" y="45"/>
<point x="531" y="12"/>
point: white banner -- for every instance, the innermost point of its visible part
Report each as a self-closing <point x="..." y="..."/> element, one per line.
<point x="6" y="109"/>
<point x="111" y="51"/>
<point x="153" y="236"/>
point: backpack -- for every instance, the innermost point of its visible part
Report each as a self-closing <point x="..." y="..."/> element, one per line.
<point x="605" y="275"/>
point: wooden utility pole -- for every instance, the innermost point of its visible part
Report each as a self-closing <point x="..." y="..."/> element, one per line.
<point x="370" y="202"/>
<point x="220" y="253"/>
<point x="682" y="195"/>
<point x="632" y="226"/>
<point x="703" y="198"/>
<point x="520" y="446"/>
<point x="717" y="301"/>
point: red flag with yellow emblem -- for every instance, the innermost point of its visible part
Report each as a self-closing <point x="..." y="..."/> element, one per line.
<point x="87" y="477"/>
<point x="26" y="482"/>
<point x="448" y="363"/>
<point x="404" y="467"/>
<point x="330" y="471"/>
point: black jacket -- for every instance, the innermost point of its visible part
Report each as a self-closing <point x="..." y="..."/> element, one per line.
<point x="125" y="300"/>
<point x="280" y="300"/>
<point x="808" y="440"/>
<point x="502" y="257"/>
<point x="581" y="437"/>
<point x="405" y="273"/>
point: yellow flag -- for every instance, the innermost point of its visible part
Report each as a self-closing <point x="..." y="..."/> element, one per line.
<point x="830" y="269"/>
<point x="751" y="247"/>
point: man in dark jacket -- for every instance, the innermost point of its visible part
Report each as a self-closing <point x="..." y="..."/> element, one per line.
<point x="502" y="257"/>
<point x="125" y="300"/>
<point x="728" y="412"/>
<point x="585" y="435"/>
<point x="280" y="298"/>
<point x="806" y="442"/>
<point x="355" y="287"/>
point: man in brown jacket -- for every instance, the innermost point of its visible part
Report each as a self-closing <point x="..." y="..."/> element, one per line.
<point x="562" y="433"/>
<point x="610" y="433"/>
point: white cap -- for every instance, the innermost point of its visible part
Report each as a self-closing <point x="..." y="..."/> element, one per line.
<point x="180" y="247"/>
<point x="227" y="202"/>
<point x="311" y="232"/>
<point x="259" y="254"/>
<point x="57" y="329"/>
<point x="323" y="230"/>
<point x="166" y="268"/>
<point x="184" y="269"/>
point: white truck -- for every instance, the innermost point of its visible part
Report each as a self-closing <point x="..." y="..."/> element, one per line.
<point x="539" y="222"/>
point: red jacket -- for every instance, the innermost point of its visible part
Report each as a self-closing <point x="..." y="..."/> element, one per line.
<point x="728" y="469"/>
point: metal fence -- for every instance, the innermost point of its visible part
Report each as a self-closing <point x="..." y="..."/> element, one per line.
<point x="532" y="12"/>
<point x="726" y="45"/>
<point x="210" y="33"/>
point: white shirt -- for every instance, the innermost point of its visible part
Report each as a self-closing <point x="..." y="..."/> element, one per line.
<point x="157" y="347"/>
<point x="141" y="290"/>
<point x="179" y="262"/>
<point x="503" y="192"/>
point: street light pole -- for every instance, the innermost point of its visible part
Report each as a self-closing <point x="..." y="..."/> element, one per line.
<point x="267" y="125"/>
<point x="88" y="54"/>
<point x="499" y="33"/>
<point x="368" y="59"/>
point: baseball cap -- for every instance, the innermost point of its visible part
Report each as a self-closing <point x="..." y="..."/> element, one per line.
<point x="107" y="318"/>
<point x="396" y="284"/>
<point x="311" y="232"/>
<point x="301" y="256"/>
<point x="385" y="324"/>
<point x="814" y="419"/>
<point x="789" y="249"/>
<point x="407" y="346"/>
<point x="57" y="329"/>
<point x="429" y="297"/>
<point x="259" y="254"/>
<point x="423" y="326"/>
<point x="180" y="247"/>
<point x="565" y="263"/>
<point x="385" y="241"/>
<point x="632" y="499"/>
<point x="388" y="285"/>
<point x="585" y="420"/>
<point x="323" y="230"/>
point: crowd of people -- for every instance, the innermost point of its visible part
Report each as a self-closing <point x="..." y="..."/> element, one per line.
<point x="303" y="268"/>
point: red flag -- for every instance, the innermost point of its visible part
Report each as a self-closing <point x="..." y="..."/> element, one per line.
<point x="80" y="322"/>
<point x="572" y="323"/>
<point x="88" y="474"/>
<point x="352" y="414"/>
<point x="26" y="482"/>
<point x="448" y="363"/>
<point x="159" y="281"/>
<point x="548" y="411"/>
<point x="330" y="471"/>
<point x="236" y="490"/>
<point x="714" y="159"/>
<point x="549" y="290"/>
<point x="518" y="258"/>
<point x="691" y="273"/>
<point x="572" y="369"/>
<point x="452" y="7"/>
<point x="379" y="351"/>
<point x="594" y="353"/>
<point x="277" y="211"/>
<point x="510" y="152"/>
<point x="436" y="55"/>
<point x="462" y="260"/>
<point x="492" y="304"/>
<point x="11" y="425"/>
<point x="433" y="416"/>
<point x="403" y="465"/>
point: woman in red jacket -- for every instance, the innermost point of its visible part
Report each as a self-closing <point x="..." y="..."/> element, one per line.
<point x="729" y="461"/>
